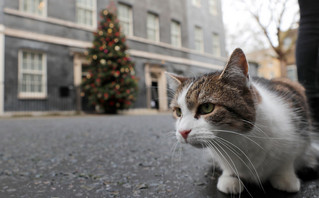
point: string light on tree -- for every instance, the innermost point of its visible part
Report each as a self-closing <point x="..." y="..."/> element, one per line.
<point x="110" y="84"/>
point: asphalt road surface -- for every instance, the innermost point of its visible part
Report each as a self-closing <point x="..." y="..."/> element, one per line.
<point x="109" y="156"/>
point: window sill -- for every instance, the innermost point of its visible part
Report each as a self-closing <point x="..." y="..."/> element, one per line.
<point x="32" y="96"/>
<point x="169" y="46"/>
<point x="49" y="20"/>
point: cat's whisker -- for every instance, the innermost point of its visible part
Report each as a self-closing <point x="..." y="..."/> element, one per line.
<point x="212" y="156"/>
<point x="242" y="135"/>
<point x="232" y="132"/>
<point x="233" y="168"/>
<point x="175" y="147"/>
<point x="180" y="153"/>
<point x="237" y="173"/>
<point x="261" y="131"/>
<point x="255" y="126"/>
<point x="173" y="151"/>
<point x="232" y="152"/>
<point x="219" y="140"/>
<point x="170" y="92"/>
<point x="254" y="171"/>
<point x="171" y="133"/>
<point x="227" y="144"/>
<point x="211" y="145"/>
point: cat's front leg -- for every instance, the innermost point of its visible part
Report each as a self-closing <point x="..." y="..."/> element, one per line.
<point x="229" y="184"/>
<point x="285" y="179"/>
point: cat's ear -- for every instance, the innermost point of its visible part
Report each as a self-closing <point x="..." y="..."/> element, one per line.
<point x="174" y="80"/>
<point x="237" y="65"/>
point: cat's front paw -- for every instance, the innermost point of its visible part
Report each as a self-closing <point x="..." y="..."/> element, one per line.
<point x="229" y="185"/>
<point x="288" y="183"/>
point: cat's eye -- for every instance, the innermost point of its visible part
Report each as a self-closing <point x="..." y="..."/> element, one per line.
<point x="205" y="108"/>
<point x="178" y="112"/>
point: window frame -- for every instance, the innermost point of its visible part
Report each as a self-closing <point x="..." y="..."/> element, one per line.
<point x="177" y="35"/>
<point x="26" y="94"/>
<point x="214" y="44"/>
<point x="94" y="11"/>
<point x="293" y="70"/>
<point x="157" y="27"/>
<point x="197" y="3"/>
<point x="201" y="39"/>
<point x="213" y="7"/>
<point x="45" y="9"/>
<point x="129" y="21"/>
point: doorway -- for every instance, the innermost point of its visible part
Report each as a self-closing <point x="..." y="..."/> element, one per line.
<point x="80" y="64"/>
<point x="156" y="88"/>
<point x="84" y="98"/>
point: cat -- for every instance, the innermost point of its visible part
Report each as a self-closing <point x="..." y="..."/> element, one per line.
<point x="255" y="130"/>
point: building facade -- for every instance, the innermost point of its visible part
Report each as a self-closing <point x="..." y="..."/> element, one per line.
<point x="43" y="44"/>
<point x="270" y="66"/>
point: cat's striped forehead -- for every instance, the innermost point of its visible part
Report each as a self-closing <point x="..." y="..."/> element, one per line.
<point x="198" y="90"/>
<point x="201" y="90"/>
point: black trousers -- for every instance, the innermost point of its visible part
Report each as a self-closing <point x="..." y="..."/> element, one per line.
<point x="307" y="53"/>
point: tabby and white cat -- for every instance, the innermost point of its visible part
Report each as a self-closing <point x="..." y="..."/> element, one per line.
<point x="255" y="130"/>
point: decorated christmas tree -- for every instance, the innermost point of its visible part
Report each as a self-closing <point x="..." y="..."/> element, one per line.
<point x="110" y="84"/>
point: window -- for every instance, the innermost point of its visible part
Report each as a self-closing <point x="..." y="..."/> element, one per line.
<point x="213" y="9"/>
<point x="216" y="44"/>
<point x="85" y="12"/>
<point x="196" y="3"/>
<point x="272" y="75"/>
<point x="37" y="7"/>
<point x="287" y="43"/>
<point x="176" y="34"/>
<point x="152" y="27"/>
<point x="199" y="45"/>
<point x="125" y="17"/>
<point x="32" y="74"/>
<point x="292" y="72"/>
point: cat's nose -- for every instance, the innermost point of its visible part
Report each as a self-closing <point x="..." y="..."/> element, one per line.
<point x="185" y="133"/>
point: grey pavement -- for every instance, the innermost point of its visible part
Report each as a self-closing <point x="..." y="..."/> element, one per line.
<point x="109" y="156"/>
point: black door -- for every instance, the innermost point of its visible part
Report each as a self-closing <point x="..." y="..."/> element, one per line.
<point x="154" y="95"/>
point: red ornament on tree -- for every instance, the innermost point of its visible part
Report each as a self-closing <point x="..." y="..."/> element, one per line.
<point x="110" y="85"/>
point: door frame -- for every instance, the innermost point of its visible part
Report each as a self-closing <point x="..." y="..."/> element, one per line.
<point x="78" y="60"/>
<point x="161" y="82"/>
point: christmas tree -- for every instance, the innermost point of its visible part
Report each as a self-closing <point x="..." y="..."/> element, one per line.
<point x="110" y="84"/>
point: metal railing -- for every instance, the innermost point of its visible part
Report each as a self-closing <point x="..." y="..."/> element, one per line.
<point x="52" y="97"/>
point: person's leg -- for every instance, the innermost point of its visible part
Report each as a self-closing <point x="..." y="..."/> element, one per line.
<point x="308" y="68"/>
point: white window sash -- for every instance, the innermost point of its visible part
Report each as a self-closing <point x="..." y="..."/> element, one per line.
<point x="197" y="3"/>
<point x="82" y="10"/>
<point x="199" y="39"/>
<point x="29" y="6"/>
<point x="153" y="26"/>
<point x="216" y="44"/>
<point x="126" y="22"/>
<point x="176" y="34"/>
<point x="213" y="7"/>
<point x="28" y="93"/>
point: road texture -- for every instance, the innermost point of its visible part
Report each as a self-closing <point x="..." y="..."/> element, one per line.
<point x="109" y="156"/>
